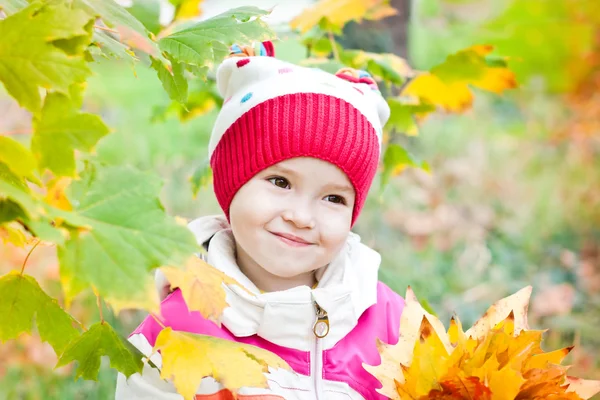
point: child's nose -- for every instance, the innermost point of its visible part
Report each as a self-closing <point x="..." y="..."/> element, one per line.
<point x="302" y="217"/>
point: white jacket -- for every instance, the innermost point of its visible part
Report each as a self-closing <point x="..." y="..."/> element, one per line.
<point x="356" y="306"/>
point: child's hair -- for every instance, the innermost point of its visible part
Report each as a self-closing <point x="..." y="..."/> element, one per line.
<point x="273" y="111"/>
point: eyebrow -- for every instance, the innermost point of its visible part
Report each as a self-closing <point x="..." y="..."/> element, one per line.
<point x="341" y="188"/>
<point x="284" y="170"/>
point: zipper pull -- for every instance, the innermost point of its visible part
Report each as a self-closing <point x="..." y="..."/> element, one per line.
<point x="321" y="326"/>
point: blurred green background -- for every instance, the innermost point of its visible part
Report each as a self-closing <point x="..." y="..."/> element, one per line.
<point x="513" y="198"/>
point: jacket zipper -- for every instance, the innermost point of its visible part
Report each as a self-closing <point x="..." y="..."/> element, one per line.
<point x="320" y="329"/>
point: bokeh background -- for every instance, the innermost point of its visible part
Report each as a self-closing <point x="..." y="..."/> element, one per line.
<point x="513" y="197"/>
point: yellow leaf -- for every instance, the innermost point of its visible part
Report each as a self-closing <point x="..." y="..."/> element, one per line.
<point x="13" y="234"/>
<point x="393" y="356"/>
<point x="339" y="12"/>
<point x="518" y="303"/>
<point x="428" y="366"/>
<point x="505" y="383"/>
<point x="201" y="286"/>
<point x="56" y="193"/>
<point x="455" y="332"/>
<point x="447" y="85"/>
<point x="498" y="359"/>
<point x="188" y="9"/>
<point x="187" y="358"/>
<point x="147" y="300"/>
<point x="553" y="357"/>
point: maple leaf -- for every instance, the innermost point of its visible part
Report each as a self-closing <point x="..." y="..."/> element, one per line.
<point x="112" y="14"/>
<point x="172" y="79"/>
<point x="386" y="66"/>
<point x="404" y="115"/>
<point x="18" y="158"/>
<point x="337" y="13"/>
<point x="447" y="85"/>
<point x="148" y="13"/>
<point x="22" y="299"/>
<point x="498" y="358"/>
<point x="395" y="160"/>
<point x="56" y="195"/>
<point x="11" y="233"/>
<point x="207" y="42"/>
<point x="32" y="51"/>
<point x="187" y="358"/>
<point x="60" y="130"/>
<point x="110" y="47"/>
<point x="201" y="286"/>
<point x="101" y="340"/>
<point x="20" y="203"/>
<point x="119" y="232"/>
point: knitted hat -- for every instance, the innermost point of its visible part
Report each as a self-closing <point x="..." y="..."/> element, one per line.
<point x="274" y="111"/>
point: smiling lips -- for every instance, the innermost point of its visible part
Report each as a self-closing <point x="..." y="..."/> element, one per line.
<point x="292" y="240"/>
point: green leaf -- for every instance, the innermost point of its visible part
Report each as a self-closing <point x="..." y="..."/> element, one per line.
<point x="201" y="100"/>
<point x="148" y="13"/>
<point x="10" y="211"/>
<point x="395" y="160"/>
<point x="111" y="47"/>
<point x="207" y="42"/>
<point x="112" y="14"/>
<point x="22" y="299"/>
<point x="123" y="233"/>
<point x="101" y="340"/>
<point x="29" y="57"/>
<point x="388" y="67"/>
<point x="173" y="81"/>
<point x="61" y="130"/>
<point x="202" y="177"/>
<point x="402" y="116"/>
<point x="34" y="211"/>
<point x="14" y="187"/>
<point x="18" y="158"/>
<point x="12" y="6"/>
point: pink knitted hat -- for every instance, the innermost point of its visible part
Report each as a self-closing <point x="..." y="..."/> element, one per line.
<point x="274" y="111"/>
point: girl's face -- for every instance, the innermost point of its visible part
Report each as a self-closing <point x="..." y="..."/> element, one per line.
<point x="290" y="220"/>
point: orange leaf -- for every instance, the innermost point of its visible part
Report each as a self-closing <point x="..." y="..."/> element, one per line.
<point x="201" y="286"/>
<point x="447" y="85"/>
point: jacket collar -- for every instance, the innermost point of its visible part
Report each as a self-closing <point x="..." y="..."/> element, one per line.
<point x="346" y="288"/>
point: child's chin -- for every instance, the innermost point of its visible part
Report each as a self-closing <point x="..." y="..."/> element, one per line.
<point x="290" y="271"/>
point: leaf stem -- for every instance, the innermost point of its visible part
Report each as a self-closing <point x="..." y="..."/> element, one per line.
<point x="27" y="257"/>
<point x="99" y="303"/>
<point x="104" y="28"/>
<point x="333" y="45"/>
<point x="158" y="321"/>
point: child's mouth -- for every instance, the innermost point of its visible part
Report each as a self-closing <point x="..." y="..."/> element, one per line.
<point x="291" y="240"/>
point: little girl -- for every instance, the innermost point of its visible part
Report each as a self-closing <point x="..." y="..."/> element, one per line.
<point x="293" y="151"/>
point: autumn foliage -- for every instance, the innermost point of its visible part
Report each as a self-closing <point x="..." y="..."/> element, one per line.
<point x="499" y="357"/>
<point x="108" y="229"/>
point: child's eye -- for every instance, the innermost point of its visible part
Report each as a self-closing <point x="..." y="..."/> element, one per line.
<point x="335" y="199"/>
<point x="280" y="182"/>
